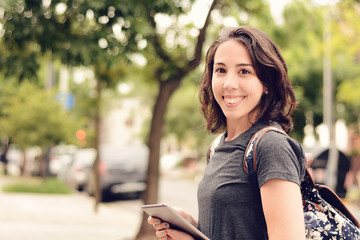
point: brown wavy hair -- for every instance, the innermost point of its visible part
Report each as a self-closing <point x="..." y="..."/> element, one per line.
<point x="277" y="105"/>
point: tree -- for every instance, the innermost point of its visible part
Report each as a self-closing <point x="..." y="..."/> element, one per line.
<point x="346" y="52"/>
<point x="89" y="33"/>
<point x="300" y="38"/>
<point x="24" y="109"/>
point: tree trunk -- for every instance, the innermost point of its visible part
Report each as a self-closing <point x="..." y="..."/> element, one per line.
<point x="96" y="189"/>
<point x="146" y="231"/>
<point x="44" y="162"/>
<point x="3" y="156"/>
<point x="24" y="168"/>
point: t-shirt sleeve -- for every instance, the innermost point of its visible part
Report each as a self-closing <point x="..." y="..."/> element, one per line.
<point x="279" y="157"/>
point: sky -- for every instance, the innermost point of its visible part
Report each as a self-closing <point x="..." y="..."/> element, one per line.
<point x="198" y="15"/>
<point x="277" y="7"/>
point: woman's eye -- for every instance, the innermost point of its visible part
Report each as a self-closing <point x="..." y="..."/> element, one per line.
<point x="244" y="71"/>
<point x="220" y="70"/>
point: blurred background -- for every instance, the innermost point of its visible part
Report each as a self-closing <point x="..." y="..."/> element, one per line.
<point x="99" y="111"/>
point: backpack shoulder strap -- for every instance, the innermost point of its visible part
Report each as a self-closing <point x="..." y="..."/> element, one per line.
<point x="250" y="152"/>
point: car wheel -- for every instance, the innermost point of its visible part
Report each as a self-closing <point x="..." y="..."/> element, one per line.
<point x="80" y="187"/>
<point x="105" y="196"/>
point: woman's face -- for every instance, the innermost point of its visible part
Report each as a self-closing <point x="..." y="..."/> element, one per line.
<point x="235" y="84"/>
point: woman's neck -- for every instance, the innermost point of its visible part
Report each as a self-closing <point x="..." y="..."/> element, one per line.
<point x="234" y="129"/>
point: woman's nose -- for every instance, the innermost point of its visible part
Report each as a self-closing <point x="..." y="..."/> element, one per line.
<point x="230" y="82"/>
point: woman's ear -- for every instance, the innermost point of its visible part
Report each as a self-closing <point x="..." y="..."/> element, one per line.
<point x="266" y="91"/>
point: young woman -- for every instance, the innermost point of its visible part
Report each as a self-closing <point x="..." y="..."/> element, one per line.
<point x="244" y="88"/>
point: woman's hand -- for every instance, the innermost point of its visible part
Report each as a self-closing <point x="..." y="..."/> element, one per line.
<point x="164" y="230"/>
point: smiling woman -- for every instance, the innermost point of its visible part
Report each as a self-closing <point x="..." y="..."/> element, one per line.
<point x="245" y="87"/>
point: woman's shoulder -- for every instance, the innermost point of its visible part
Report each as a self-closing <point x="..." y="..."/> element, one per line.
<point x="274" y="139"/>
<point x="280" y="146"/>
<point x="280" y="154"/>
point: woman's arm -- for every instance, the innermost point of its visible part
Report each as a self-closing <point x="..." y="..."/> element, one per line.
<point x="282" y="205"/>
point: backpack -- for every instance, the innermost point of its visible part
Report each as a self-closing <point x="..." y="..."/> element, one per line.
<point x="325" y="215"/>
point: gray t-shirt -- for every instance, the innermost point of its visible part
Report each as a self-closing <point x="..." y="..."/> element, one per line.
<point x="229" y="204"/>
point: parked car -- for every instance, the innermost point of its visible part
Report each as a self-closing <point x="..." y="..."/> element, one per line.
<point x="61" y="156"/>
<point x="77" y="175"/>
<point x="15" y="160"/>
<point x="122" y="170"/>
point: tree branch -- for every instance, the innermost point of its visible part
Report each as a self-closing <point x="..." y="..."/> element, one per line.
<point x="155" y="39"/>
<point x="201" y="39"/>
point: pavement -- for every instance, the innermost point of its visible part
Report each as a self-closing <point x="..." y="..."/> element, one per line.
<point x="65" y="217"/>
<point x="25" y="216"/>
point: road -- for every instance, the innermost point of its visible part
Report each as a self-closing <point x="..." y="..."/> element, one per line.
<point x="70" y="217"/>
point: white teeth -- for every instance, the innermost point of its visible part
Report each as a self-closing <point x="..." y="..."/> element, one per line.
<point x="232" y="100"/>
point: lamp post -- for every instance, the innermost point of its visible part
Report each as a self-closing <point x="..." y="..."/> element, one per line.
<point x="328" y="103"/>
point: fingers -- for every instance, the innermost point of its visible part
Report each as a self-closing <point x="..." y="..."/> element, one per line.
<point x="152" y="220"/>
<point x="161" y="226"/>
<point x="175" y="234"/>
<point x="168" y="234"/>
<point x="157" y="224"/>
<point x="162" y="234"/>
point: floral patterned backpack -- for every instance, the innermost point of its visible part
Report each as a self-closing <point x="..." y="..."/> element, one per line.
<point x="326" y="217"/>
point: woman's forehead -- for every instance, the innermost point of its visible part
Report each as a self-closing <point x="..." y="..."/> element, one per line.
<point x="232" y="51"/>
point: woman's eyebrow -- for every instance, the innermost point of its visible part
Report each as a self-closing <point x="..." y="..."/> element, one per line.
<point x="237" y="65"/>
<point x="244" y="64"/>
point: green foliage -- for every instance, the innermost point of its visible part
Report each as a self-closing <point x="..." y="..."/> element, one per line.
<point x="32" y="117"/>
<point x="184" y="119"/>
<point x="43" y="186"/>
<point x="300" y="39"/>
<point x="77" y="32"/>
<point x="346" y="49"/>
<point x="96" y="34"/>
<point x="349" y="92"/>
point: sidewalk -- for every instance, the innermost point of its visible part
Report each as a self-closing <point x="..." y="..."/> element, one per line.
<point x="71" y="217"/>
<point x="65" y="217"/>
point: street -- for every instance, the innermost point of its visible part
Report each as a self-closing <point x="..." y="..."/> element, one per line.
<point x="70" y="217"/>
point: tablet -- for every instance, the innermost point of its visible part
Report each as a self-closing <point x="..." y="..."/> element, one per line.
<point x="171" y="216"/>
